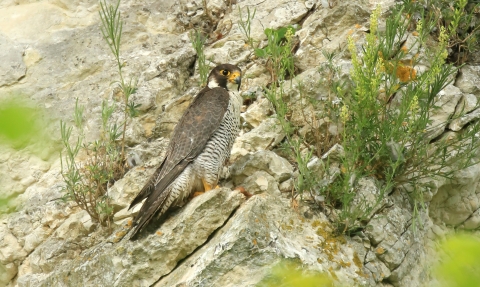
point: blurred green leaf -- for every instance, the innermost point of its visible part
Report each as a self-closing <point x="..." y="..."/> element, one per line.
<point x="17" y="122"/>
<point x="460" y="262"/>
<point x="261" y="53"/>
<point x="22" y="124"/>
<point x="3" y="205"/>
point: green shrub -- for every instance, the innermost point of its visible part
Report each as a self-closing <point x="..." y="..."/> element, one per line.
<point x="460" y="20"/>
<point x="87" y="182"/>
<point x="384" y="112"/>
<point x="386" y="116"/>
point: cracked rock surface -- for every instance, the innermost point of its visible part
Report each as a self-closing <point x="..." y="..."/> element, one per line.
<point x="52" y="53"/>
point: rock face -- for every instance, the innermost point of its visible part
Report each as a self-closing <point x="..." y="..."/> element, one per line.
<point x="262" y="231"/>
<point x="52" y="53"/>
<point x="133" y="263"/>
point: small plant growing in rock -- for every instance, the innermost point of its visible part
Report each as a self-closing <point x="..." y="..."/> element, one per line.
<point x="460" y="20"/>
<point x="278" y="54"/>
<point x="198" y="43"/>
<point x="112" y="33"/>
<point x="246" y="25"/>
<point x="327" y="115"/>
<point x="87" y="182"/>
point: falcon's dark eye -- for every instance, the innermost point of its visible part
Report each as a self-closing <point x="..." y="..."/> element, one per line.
<point x="225" y="72"/>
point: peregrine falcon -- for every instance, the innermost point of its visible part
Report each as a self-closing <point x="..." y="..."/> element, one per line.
<point x="199" y="146"/>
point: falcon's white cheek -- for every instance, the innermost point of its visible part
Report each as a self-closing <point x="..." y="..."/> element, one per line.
<point x="212" y="83"/>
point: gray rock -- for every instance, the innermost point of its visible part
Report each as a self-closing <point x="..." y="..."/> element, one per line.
<point x="267" y="161"/>
<point x="287" y="185"/>
<point x="262" y="232"/>
<point x="376" y="229"/>
<point x="257" y="112"/>
<point x="465" y="113"/>
<point x="335" y="153"/>
<point x="260" y="182"/>
<point x="269" y="14"/>
<point x="75" y="227"/>
<point x="446" y="101"/>
<point x="256" y="75"/>
<point x="467" y="103"/>
<point x="144" y="261"/>
<point x="469" y="80"/>
<point x="456" y="201"/>
<point x="265" y="136"/>
<point x="378" y="269"/>
<point x="368" y="197"/>
<point x="11" y="252"/>
<point x="230" y="50"/>
<point x="35" y="238"/>
<point x="397" y="232"/>
<point x="62" y="246"/>
<point x="472" y="222"/>
<point x="19" y="170"/>
<point x="325" y="29"/>
<point x="458" y="124"/>
<point x="316" y="166"/>
<point x="12" y="67"/>
<point x="7" y="272"/>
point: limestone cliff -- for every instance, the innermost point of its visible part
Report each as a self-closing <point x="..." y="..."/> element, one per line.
<point x="52" y="52"/>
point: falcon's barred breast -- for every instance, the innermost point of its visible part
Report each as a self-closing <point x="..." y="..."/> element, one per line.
<point x="200" y="144"/>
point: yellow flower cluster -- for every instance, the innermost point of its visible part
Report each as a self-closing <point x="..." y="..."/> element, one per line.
<point x="372" y="36"/>
<point x="374" y="20"/>
<point x="356" y="64"/>
<point x="420" y="26"/>
<point x="344" y="113"/>
<point x="443" y="37"/>
<point x="414" y="105"/>
<point x="289" y="34"/>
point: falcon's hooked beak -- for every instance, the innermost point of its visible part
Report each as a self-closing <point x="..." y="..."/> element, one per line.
<point x="236" y="79"/>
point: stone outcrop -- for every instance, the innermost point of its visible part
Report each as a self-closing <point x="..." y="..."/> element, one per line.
<point x="117" y="262"/>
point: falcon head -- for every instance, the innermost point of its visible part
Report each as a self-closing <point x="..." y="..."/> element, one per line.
<point x="226" y="76"/>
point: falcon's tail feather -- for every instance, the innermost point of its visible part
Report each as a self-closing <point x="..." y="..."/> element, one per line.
<point x="144" y="193"/>
<point x="159" y="200"/>
<point x="144" y="216"/>
<point x="148" y="188"/>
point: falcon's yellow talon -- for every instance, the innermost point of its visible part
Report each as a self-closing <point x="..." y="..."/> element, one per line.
<point x="207" y="186"/>
<point x="197" y="193"/>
